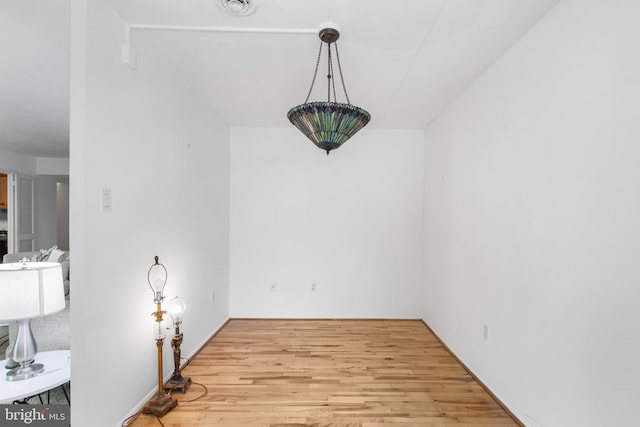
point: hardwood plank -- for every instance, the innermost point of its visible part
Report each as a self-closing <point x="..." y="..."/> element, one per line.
<point x="329" y="373"/>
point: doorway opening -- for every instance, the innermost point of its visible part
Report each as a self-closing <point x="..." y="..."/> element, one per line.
<point x="34" y="212"/>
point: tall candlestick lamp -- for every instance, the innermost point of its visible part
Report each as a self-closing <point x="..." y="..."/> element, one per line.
<point x="161" y="403"/>
<point x="177" y="381"/>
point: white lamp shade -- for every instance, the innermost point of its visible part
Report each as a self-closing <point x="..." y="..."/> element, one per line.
<point x="33" y="289"/>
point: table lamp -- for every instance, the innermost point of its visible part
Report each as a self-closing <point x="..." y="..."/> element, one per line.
<point x="28" y="290"/>
<point x="177" y="381"/>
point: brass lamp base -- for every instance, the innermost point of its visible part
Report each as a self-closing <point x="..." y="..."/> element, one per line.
<point x="178" y="383"/>
<point x="160" y="405"/>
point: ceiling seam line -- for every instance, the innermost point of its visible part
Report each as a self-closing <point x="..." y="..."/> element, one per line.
<point x="415" y="56"/>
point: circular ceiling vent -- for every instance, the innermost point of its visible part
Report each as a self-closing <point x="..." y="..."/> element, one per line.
<point x="238" y="7"/>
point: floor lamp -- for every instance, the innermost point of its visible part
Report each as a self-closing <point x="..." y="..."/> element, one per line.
<point x="177" y="381"/>
<point x="161" y="403"/>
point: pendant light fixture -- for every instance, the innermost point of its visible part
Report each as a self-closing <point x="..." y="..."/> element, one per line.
<point x="328" y="124"/>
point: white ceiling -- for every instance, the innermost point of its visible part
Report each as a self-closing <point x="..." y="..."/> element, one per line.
<point x="403" y="61"/>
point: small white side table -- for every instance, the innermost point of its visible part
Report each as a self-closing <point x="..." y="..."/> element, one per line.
<point x="57" y="371"/>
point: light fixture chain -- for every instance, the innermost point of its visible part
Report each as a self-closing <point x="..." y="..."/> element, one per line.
<point x="315" y="73"/>
<point x="344" y="88"/>
<point x="332" y="79"/>
<point x="328" y="72"/>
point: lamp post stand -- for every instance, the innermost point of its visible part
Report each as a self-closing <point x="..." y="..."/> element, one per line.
<point x="177" y="381"/>
<point x="161" y="403"/>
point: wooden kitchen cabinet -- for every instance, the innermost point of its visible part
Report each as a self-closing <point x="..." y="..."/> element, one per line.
<point x="4" y="196"/>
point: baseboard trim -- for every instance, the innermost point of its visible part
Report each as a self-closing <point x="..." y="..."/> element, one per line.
<point x="191" y="356"/>
<point x="475" y="377"/>
<point x="203" y="344"/>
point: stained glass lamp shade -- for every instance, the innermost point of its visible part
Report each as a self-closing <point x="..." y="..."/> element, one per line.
<point x="328" y="124"/>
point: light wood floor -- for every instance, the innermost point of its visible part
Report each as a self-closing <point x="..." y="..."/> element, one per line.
<point x="355" y="373"/>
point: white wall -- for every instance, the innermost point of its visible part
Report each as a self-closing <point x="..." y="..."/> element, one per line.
<point x="52" y="166"/>
<point x="20" y="163"/>
<point x="532" y="220"/>
<point x="350" y="222"/>
<point x="165" y="157"/>
<point x="31" y="165"/>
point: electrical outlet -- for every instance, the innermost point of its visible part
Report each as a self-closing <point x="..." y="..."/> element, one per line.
<point x="274" y="287"/>
<point x="213" y="296"/>
<point x="485" y="331"/>
<point x="313" y="287"/>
